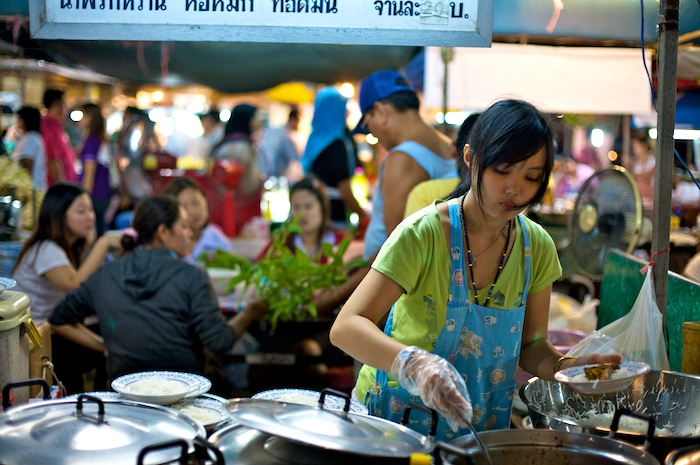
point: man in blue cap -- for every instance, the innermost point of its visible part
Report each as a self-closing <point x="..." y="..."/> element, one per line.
<point x="416" y="151"/>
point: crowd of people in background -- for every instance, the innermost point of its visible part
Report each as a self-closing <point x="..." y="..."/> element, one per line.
<point x="126" y="299"/>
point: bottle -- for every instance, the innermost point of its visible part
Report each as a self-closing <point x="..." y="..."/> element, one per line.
<point x="676" y="217"/>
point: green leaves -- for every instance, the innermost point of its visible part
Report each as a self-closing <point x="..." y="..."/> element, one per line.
<point x="287" y="279"/>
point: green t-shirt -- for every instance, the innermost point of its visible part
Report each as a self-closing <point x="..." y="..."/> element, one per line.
<point x="416" y="256"/>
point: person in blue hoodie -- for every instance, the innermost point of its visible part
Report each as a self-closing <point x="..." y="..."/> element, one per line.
<point x="156" y="311"/>
<point x="331" y="155"/>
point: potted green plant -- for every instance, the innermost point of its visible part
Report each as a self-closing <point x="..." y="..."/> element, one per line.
<point x="285" y="279"/>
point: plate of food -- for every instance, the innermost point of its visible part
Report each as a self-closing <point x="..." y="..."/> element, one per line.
<point x="207" y="410"/>
<point x="204" y="385"/>
<point x="160" y="387"/>
<point x="602" y="378"/>
<point x="6" y="283"/>
<point x="310" y="398"/>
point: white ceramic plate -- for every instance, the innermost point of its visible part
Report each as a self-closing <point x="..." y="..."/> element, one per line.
<point x="6" y="283"/>
<point x="571" y="377"/>
<point x="207" y="410"/>
<point x="184" y="385"/>
<point x="310" y="398"/>
<point x="102" y="395"/>
<point x="204" y="385"/>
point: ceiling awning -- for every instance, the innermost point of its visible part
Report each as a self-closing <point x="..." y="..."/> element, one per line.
<point x="582" y="80"/>
<point x="237" y="67"/>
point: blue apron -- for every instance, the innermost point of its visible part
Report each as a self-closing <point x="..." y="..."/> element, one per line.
<point x="490" y="337"/>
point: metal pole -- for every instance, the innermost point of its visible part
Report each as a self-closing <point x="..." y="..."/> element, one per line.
<point x="447" y="57"/>
<point x="663" y="179"/>
<point x="625" y="155"/>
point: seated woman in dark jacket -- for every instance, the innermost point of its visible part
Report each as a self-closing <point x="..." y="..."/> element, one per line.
<point x="156" y="312"/>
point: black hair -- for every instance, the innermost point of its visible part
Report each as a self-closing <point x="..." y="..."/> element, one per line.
<point x="294" y="113"/>
<point x="508" y="132"/>
<point x="213" y="113"/>
<point x="51" y="224"/>
<point x="316" y="187"/>
<point x="403" y="100"/>
<point x="241" y="116"/>
<point x="176" y="186"/>
<point x="97" y="121"/>
<point x="461" y="141"/>
<point x="52" y="96"/>
<point x="641" y="135"/>
<point x="148" y="216"/>
<point x="31" y="117"/>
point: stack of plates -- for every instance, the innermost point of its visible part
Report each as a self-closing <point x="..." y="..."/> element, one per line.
<point x="310" y="398"/>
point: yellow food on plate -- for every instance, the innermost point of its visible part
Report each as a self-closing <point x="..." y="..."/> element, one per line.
<point x="601" y="372"/>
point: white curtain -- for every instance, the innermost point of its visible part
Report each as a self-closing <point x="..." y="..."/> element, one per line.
<point x="585" y="80"/>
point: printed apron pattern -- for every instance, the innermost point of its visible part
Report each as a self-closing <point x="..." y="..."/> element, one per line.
<point x="483" y="343"/>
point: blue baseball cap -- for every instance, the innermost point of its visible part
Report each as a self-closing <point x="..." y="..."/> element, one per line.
<point x="378" y="86"/>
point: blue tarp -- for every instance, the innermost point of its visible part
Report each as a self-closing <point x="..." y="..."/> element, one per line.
<point x="688" y="108"/>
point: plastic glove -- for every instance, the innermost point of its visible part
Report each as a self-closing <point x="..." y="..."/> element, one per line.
<point x="436" y="381"/>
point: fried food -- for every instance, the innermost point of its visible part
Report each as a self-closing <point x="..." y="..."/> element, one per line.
<point x="601" y="372"/>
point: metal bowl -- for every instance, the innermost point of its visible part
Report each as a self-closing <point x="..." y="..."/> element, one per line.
<point x="671" y="399"/>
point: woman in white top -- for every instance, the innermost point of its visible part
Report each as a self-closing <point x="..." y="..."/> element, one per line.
<point x="54" y="260"/>
<point x="208" y="237"/>
<point x="30" y="148"/>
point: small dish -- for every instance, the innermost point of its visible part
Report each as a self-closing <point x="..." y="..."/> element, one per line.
<point x="6" y="283"/>
<point x="309" y="398"/>
<point x="207" y="410"/>
<point x="575" y="378"/>
<point x="142" y="387"/>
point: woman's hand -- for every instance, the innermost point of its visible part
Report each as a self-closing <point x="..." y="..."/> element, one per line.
<point x="257" y="310"/>
<point x="113" y="239"/>
<point x="436" y="381"/>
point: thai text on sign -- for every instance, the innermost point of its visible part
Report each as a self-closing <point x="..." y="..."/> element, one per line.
<point x="369" y="22"/>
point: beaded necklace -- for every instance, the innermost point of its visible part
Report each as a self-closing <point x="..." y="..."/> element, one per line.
<point x="470" y="258"/>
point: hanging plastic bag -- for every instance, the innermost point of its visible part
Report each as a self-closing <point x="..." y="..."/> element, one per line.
<point x="637" y="336"/>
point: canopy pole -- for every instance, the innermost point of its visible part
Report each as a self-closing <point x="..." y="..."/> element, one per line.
<point x="663" y="178"/>
<point x="448" y="54"/>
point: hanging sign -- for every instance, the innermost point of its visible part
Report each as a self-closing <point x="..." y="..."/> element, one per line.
<point x="360" y="22"/>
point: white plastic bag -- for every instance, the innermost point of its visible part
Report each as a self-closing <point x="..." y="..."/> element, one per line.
<point x="637" y="336"/>
<point x="568" y="313"/>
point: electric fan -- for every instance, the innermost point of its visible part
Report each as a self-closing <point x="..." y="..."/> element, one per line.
<point x="607" y="214"/>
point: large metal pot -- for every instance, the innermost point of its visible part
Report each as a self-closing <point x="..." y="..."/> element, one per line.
<point x="266" y="432"/>
<point x="672" y="400"/>
<point x="90" y="431"/>
<point x="542" y="447"/>
<point x="689" y="455"/>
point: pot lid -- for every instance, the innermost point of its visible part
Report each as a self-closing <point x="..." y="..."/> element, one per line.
<point x="90" y="431"/>
<point x="329" y="429"/>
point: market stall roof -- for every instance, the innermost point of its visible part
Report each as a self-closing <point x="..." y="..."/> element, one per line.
<point x="241" y="67"/>
<point x="579" y="80"/>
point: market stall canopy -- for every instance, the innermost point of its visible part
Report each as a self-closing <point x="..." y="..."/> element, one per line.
<point x="583" y="80"/>
<point x="240" y="67"/>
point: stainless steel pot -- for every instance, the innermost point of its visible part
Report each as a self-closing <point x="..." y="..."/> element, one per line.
<point x="541" y="447"/>
<point x="671" y="399"/>
<point x="689" y="455"/>
<point x="90" y="431"/>
<point x="266" y="432"/>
